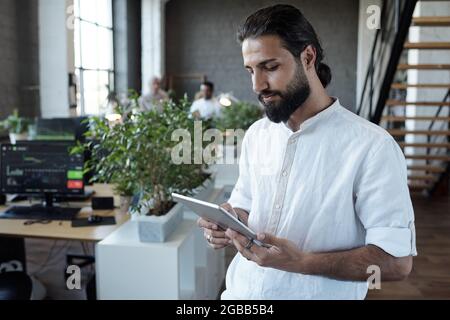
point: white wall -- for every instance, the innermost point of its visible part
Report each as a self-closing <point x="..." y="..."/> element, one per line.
<point x="418" y="34"/>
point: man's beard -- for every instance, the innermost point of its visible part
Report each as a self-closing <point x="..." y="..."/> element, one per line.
<point x="296" y="94"/>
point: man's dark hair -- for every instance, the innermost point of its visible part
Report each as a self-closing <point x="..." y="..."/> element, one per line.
<point x="209" y="84"/>
<point x="295" y="31"/>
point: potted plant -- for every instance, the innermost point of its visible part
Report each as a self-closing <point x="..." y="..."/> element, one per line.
<point x="135" y="155"/>
<point x="16" y="126"/>
<point x="239" y="115"/>
<point x="109" y="159"/>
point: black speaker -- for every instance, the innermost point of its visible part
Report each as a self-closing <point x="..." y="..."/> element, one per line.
<point x="102" y="203"/>
<point x="2" y="199"/>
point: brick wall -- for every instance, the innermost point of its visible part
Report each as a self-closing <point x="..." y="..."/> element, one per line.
<point x="19" y="66"/>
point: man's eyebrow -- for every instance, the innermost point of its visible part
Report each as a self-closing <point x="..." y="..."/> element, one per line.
<point x="262" y="63"/>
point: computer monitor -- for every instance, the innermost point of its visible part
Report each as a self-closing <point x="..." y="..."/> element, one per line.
<point x="71" y="130"/>
<point x="55" y="129"/>
<point x="42" y="169"/>
<point x="67" y="129"/>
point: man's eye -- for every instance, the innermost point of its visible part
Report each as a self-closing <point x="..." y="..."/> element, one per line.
<point x="272" y="68"/>
<point x="250" y="71"/>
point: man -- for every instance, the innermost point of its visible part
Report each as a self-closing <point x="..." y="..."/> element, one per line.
<point x="206" y="107"/>
<point x="324" y="187"/>
<point x="155" y="98"/>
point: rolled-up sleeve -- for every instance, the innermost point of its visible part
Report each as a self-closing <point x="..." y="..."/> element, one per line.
<point x="241" y="196"/>
<point x="382" y="200"/>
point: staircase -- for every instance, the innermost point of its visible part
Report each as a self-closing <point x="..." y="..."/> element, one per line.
<point x="390" y="96"/>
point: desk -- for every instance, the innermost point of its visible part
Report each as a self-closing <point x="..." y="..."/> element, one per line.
<point x="63" y="229"/>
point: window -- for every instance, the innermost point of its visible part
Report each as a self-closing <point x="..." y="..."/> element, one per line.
<point x="94" y="57"/>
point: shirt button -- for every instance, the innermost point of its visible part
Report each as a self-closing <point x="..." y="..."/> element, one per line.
<point x="284" y="173"/>
<point x="278" y="206"/>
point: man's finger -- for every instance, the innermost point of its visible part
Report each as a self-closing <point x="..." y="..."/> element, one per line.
<point x="246" y="253"/>
<point x="229" y="208"/>
<point x="215" y="234"/>
<point x="226" y="206"/>
<point x="259" y="251"/>
<point x="236" y="236"/>
<point x="217" y="246"/>
<point x="269" y="239"/>
<point x="221" y="241"/>
<point x="239" y="241"/>
<point x="206" y="224"/>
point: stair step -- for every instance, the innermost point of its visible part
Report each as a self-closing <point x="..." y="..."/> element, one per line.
<point x="424" y="145"/>
<point x="433" y="169"/>
<point x="404" y="66"/>
<point x="427" y="157"/>
<point x="427" y="177"/>
<point x="398" y="132"/>
<point x="415" y="193"/>
<point x="417" y="186"/>
<point x="420" y="85"/>
<point x="433" y="21"/>
<point x="427" y="45"/>
<point x="418" y="118"/>
<point x="392" y="102"/>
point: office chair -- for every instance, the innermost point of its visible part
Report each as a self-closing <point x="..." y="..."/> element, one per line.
<point x="15" y="283"/>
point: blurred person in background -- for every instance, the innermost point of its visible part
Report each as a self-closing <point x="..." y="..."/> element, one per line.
<point x="208" y="106"/>
<point x="155" y="99"/>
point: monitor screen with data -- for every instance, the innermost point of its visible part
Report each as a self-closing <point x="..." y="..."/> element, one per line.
<point x="36" y="168"/>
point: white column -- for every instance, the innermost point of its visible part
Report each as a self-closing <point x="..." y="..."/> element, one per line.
<point x="53" y="58"/>
<point x="153" y="40"/>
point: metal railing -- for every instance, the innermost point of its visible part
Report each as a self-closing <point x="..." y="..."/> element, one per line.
<point x="396" y="16"/>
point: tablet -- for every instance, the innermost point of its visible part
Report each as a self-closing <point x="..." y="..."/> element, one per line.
<point x="214" y="213"/>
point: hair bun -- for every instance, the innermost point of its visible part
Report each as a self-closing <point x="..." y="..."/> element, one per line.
<point x="324" y="73"/>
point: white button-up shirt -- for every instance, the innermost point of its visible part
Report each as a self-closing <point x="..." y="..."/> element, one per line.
<point x="338" y="183"/>
<point x="207" y="108"/>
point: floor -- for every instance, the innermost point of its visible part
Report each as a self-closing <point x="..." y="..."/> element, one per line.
<point x="46" y="262"/>
<point x="430" y="277"/>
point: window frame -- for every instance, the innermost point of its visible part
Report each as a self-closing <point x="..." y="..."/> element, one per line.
<point x="81" y="69"/>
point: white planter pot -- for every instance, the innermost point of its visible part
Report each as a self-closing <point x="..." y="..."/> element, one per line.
<point x="159" y="228"/>
<point x="14" y="137"/>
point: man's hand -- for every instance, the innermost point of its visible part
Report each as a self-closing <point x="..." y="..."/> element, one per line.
<point x="237" y="212"/>
<point x="214" y="234"/>
<point x="283" y="254"/>
<point x="349" y="265"/>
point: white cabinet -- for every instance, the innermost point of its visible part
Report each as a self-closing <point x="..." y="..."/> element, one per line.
<point x="183" y="267"/>
<point x="129" y="269"/>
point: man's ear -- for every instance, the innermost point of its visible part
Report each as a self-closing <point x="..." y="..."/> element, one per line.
<point x="308" y="57"/>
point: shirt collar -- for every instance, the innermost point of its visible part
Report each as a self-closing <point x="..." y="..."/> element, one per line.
<point x="316" y="118"/>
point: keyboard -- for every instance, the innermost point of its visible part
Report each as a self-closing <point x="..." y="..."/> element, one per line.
<point x="40" y="213"/>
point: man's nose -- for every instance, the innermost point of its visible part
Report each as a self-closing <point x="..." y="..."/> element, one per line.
<point x="259" y="82"/>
